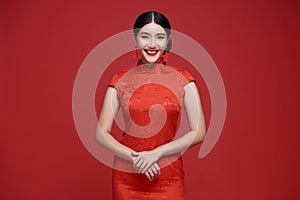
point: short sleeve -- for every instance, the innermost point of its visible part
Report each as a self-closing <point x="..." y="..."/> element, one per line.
<point x="116" y="78"/>
<point x="187" y="75"/>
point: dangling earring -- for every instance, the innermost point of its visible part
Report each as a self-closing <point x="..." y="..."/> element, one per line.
<point x="136" y="55"/>
<point x="165" y="57"/>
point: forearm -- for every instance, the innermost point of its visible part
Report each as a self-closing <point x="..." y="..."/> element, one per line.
<point x="181" y="144"/>
<point x="106" y="140"/>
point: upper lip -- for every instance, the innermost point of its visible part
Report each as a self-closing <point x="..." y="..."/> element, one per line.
<point x="150" y="49"/>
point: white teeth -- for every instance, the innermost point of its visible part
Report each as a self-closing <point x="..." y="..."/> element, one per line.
<point x="151" y="52"/>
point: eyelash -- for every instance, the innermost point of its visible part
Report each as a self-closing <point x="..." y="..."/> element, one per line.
<point x="159" y="37"/>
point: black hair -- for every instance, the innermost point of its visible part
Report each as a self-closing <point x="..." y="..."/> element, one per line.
<point x="156" y="17"/>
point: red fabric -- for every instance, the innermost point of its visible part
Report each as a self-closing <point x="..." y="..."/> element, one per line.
<point x="138" y="90"/>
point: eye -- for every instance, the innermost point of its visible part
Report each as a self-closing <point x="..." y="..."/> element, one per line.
<point x="161" y="37"/>
<point x="144" y="37"/>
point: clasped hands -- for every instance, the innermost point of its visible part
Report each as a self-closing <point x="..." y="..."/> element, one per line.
<point x="145" y="162"/>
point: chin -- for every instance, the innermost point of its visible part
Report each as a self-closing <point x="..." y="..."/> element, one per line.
<point x="152" y="60"/>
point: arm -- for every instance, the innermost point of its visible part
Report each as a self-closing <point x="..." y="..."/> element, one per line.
<point x="109" y="110"/>
<point x="193" y="108"/>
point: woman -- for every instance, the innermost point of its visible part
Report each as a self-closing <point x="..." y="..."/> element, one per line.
<point x="148" y="163"/>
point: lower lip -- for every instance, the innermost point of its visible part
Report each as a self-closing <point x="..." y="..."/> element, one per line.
<point x="151" y="54"/>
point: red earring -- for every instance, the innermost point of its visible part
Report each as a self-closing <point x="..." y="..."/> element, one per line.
<point x="136" y="55"/>
<point x="165" y="57"/>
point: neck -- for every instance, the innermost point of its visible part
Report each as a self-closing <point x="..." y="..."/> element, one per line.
<point x="150" y="65"/>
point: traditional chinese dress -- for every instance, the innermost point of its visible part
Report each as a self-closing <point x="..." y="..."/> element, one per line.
<point x="138" y="89"/>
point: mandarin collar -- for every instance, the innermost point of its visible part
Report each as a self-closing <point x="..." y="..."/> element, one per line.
<point x="140" y="62"/>
<point x="143" y="68"/>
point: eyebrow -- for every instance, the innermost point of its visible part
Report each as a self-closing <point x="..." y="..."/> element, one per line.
<point x="156" y="34"/>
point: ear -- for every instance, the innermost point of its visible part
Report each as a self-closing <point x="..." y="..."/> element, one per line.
<point x="169" y="44"/>
<point x="134" y="40"/>
<point x="170" y="37"/>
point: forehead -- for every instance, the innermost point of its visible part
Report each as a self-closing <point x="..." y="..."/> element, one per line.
<point x="152" y="28"/>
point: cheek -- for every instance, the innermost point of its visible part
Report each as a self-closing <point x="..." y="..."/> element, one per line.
<point x="141" y="43"/>
<point x="162" y="43"/>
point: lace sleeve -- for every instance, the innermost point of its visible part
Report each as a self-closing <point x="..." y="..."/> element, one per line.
<point x="116" y="78"/>
<point x="187" y="75"/>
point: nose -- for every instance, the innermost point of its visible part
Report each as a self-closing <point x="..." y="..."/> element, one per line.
<point x="152" y="43"/>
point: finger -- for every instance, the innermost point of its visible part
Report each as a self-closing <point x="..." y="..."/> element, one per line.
<point x="138" y="166"/>
<point x="154" y="171"/>
<point x="157" y="168"/>
<point x="148" y="176"/>
<point x="136" y="161"/>
<point x="142" y="167"/>
<point x="157" y="171"/>
<point x="152" y="174"/>
<point x="146" y="167"/>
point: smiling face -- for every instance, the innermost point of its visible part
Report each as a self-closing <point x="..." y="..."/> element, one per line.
<point x="151" y="42"/>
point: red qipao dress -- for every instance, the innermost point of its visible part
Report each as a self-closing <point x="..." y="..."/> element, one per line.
<point x="146" y="128"/>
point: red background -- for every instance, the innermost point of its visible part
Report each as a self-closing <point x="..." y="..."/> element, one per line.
<point x="255" y="45"/>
